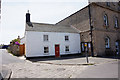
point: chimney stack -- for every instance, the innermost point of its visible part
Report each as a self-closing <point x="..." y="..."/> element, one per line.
<point x="27" y="17"/>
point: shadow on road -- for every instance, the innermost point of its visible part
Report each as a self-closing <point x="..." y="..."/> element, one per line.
<point x="48" y="58"/>
<point x="110" y="57"/>
<point x="63" y="57"/>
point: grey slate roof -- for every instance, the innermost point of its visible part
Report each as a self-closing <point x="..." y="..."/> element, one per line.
<point x="41" y="27"/>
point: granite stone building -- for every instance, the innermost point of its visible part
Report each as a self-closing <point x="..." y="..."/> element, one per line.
<point x="99" y="27"/>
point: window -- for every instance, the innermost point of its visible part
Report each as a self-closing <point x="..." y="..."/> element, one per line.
<point x="46" y="49"/>
<point x="118" y="8"/>
<point x="66" y="48"/>
<point x="45" y="37"/>
<point x="117" y="47"/>
<point x="116" y="22"/>
<point x="105" y="20"/>
<point x="108" y="4"/>
<point x="83" y="47"/>
<point x="107" y="42"/>
<point x="66" y="38"/>
<point x="119" y="5"/>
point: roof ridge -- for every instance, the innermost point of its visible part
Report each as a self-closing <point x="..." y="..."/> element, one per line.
<point x="42" y="23"/>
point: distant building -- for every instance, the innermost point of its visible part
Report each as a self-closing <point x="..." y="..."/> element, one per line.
<point x="50" y="40"/>
<point x="99" y="26"/>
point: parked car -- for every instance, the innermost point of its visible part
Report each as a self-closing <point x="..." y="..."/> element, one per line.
<point x="5" y="46"/>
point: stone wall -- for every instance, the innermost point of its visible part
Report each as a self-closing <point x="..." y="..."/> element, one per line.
<point x="80" y="20"/>
<point x="14" y="49"/>
<point x="100" y="31"/>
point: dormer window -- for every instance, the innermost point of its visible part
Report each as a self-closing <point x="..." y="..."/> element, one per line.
<point x="105" y="20"/>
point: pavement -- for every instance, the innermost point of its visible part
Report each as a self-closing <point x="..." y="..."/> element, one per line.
<point x="73" y="60"/>
<point x="8" y="58"/>
<point x="64" y="67"/>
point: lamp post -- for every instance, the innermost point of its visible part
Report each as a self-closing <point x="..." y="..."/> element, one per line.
<point x="86" y="51"/>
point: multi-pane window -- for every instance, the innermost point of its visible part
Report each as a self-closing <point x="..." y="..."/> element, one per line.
<point x="107" y="42"/>
<point x="116" y="22"/>
<point x="46" y="49"/>
<point x="45" y="37"/>
<point x="105" y="20"/>
<point x="66" y="48"/>
<point x="66" y="38"/>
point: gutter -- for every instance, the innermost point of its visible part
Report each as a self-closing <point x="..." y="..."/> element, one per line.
<point x="91" y="27"/>
<point x="6" y="73"/>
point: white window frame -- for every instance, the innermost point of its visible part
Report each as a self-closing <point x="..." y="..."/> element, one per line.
<point x="67" y="49"/>
<point x="66" y="39"/>
<point x="45" y="51"/>
<point x="107" y="42"/>
<point x="45" y="37"/>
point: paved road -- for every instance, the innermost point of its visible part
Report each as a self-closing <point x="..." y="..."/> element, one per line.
<point x="105" y="70"/>
<point x="6" y="58"/>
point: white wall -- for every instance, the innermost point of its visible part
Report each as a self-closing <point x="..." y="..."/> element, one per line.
<point x="35" y="44"/>
<point x="22" y="41"/>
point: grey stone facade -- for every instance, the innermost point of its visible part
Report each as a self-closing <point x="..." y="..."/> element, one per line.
<point x="81" y="21"/>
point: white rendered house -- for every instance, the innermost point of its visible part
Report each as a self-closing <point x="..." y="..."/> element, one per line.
<point x="50" y="40"/>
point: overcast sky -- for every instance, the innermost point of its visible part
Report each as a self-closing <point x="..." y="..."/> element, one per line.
<point x="42" y="11"/>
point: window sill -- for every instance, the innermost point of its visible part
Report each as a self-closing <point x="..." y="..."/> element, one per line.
<point x="67" y="51"/>
<point x="106" y="26"/>
<point x="67" y="41"/>
<point x="46" y="53"/>
<point x="45" y="41"/>
<point x="116" y="27"/>
<point x="107" y="48"/>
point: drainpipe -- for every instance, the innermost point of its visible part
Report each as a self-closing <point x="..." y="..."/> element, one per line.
<point x="91" y="27"/>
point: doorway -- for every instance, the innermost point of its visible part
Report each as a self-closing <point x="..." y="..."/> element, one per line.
<point x="57" y="50"/>
<point x="86" y="47"/>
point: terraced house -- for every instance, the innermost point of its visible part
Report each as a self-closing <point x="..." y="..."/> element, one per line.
<point x="99" y="27"/>
<point x="43" y="39"/>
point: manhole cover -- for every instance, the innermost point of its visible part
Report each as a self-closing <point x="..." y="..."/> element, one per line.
<point x="60" y="69"/>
